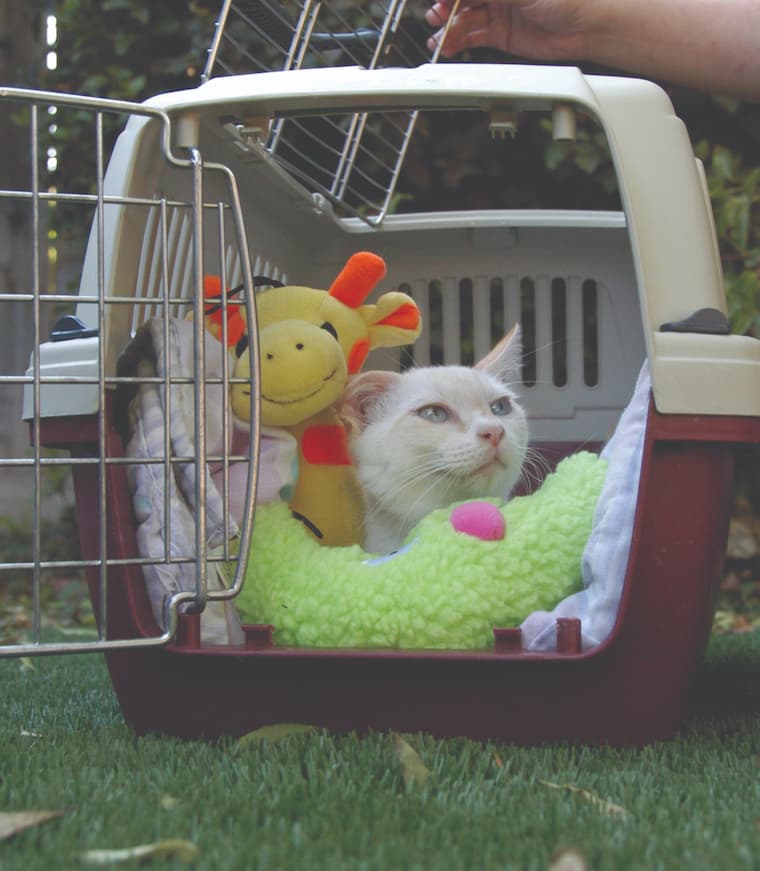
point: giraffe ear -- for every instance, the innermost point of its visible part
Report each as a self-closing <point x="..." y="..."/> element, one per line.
<point x="394" y="320"/>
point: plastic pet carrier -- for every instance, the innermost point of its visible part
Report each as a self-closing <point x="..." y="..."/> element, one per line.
<point x="294" y="154"/>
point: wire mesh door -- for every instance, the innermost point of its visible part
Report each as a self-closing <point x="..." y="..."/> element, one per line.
<point x="66" y="468"/>
<point x="353" y="160"/>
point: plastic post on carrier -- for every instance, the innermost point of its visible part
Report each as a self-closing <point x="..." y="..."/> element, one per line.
<point x="188" y="631"/>
<point x="568" y="635"/>
<point x="507" y="640"/>
<point x="258" y="636"/>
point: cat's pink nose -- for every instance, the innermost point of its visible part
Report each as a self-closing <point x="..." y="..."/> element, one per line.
<point x="492" y="434"/>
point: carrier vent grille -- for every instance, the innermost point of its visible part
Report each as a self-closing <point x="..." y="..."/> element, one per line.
<point x="465" y="317"/>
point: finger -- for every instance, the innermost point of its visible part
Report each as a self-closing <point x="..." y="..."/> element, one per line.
<point x="438" y="14"/>
<point x="469" y="28"/>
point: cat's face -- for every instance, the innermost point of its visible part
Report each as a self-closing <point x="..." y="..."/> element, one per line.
<point x="435" y="435"/>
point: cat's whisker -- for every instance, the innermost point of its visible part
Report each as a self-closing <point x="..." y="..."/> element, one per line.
<point x="410" y="515"/>
<point x="534" y="469"/>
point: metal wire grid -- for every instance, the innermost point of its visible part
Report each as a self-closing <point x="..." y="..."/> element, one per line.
<point x="253" y="36"/>
<point x="354" y="160"/>
<point x="40" y="385"/>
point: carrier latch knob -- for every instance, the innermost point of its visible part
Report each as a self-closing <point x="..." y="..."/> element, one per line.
<point x="705" y="320"/>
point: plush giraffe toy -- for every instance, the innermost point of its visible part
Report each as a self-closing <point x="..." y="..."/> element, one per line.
<point x="310" y="342"/>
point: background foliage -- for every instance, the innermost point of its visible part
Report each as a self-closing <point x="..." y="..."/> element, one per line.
<point x="129" y="49"/>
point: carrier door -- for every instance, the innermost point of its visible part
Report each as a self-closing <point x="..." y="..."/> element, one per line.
<point x="113" y="383"/>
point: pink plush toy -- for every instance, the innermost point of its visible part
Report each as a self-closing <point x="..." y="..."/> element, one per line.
<point x="481" y="520"/>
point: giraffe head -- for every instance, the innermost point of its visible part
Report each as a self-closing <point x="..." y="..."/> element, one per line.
<point x="311" y="340"/>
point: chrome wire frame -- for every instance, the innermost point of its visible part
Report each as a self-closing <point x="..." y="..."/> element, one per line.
<point x="253" y="36"/>
<point x="35" y="382"/>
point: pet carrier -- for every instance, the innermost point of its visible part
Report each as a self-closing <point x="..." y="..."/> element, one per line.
<point x="277" y="171"/>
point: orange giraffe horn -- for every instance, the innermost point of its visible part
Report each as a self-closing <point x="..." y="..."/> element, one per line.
<point x="357" y="278"/>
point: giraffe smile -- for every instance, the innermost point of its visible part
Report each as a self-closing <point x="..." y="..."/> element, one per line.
<point x="304" y="396"/>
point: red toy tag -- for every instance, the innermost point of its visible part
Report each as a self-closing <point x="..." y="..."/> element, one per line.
<point x="325" y="446"/>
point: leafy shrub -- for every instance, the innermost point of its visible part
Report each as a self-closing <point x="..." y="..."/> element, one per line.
<point x="735" y="195"/>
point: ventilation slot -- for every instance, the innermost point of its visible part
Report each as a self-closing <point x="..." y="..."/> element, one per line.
<point x="590" y="306"/>
<point x="466" y="325"/>
<point x="559" y="332"/>
<point x="528" y="325"/>
<point x="435" y="329"/>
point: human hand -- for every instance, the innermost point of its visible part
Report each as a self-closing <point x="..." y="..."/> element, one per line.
<point x="539" y="29"/>
<point x="651" y="38"/>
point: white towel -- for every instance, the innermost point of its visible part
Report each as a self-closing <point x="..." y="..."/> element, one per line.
<point x="605" y="557"/>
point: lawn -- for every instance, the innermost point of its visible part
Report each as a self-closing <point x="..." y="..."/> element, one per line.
<point x="313" y="800"/>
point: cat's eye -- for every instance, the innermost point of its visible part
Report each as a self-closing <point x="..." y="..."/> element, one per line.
<point x="501" y="406"/>
<point x="433" y="413"/>
<point x="330" y="329"/>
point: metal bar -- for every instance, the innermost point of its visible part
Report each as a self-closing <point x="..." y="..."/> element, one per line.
<point x="109" y="461"/>
<point x="37" y="448"/>
<point x="359" y="121"/>
<point x="399" y="163"/>
<point x="200" y="383"/>
<point x="109" y="199"/>
<point x="226" y="439"/>
<point x="57" y="98"/>
<point x="112" y="380"/>
<point x="437" y="50"/>
<point x="294" y="63"/>
<point x="28" y="565"/>
<point x="213" y="51"/>
<point x="246" y="524"/>
<point x="50" y="647"/>
<point x="102" y="326"/>
<point x="168" y="383"/>
<point x="301" y="34"/>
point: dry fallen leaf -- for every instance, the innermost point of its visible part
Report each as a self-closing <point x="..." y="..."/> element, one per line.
<point x="26" y="664"/>
<point x="568" y="860"/>
<point x="498" y="761"/>
<point x="605" y="807"/>
<point x="275" y="732"/>
<point x="412" y="767"/>
<point x="185" y="851"/>
<point x="14" y="822"/>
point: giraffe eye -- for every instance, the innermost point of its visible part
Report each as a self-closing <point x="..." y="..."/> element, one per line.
<point x="241" y="346"/>
<point x="328" y="327"/>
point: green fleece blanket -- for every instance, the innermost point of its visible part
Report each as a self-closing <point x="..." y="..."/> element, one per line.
<point x="444" y="589"/>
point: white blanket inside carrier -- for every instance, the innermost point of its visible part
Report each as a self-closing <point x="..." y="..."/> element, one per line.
<point x="156" y="411"/>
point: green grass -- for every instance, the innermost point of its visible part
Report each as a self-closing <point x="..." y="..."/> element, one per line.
<point x="315" y="801"/>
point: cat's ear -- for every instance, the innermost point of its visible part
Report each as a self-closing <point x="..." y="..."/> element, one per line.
<point x="504" y="361"/>
<point x="362" y="394"/>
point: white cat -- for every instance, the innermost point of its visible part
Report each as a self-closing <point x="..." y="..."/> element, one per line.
<point x="432" y="436"/>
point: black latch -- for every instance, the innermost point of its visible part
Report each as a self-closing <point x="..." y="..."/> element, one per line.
<point x="70" y="327"/>
<point x="708" y="321"/>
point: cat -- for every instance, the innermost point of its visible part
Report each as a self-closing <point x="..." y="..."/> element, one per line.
<point x="434" y="435"/>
